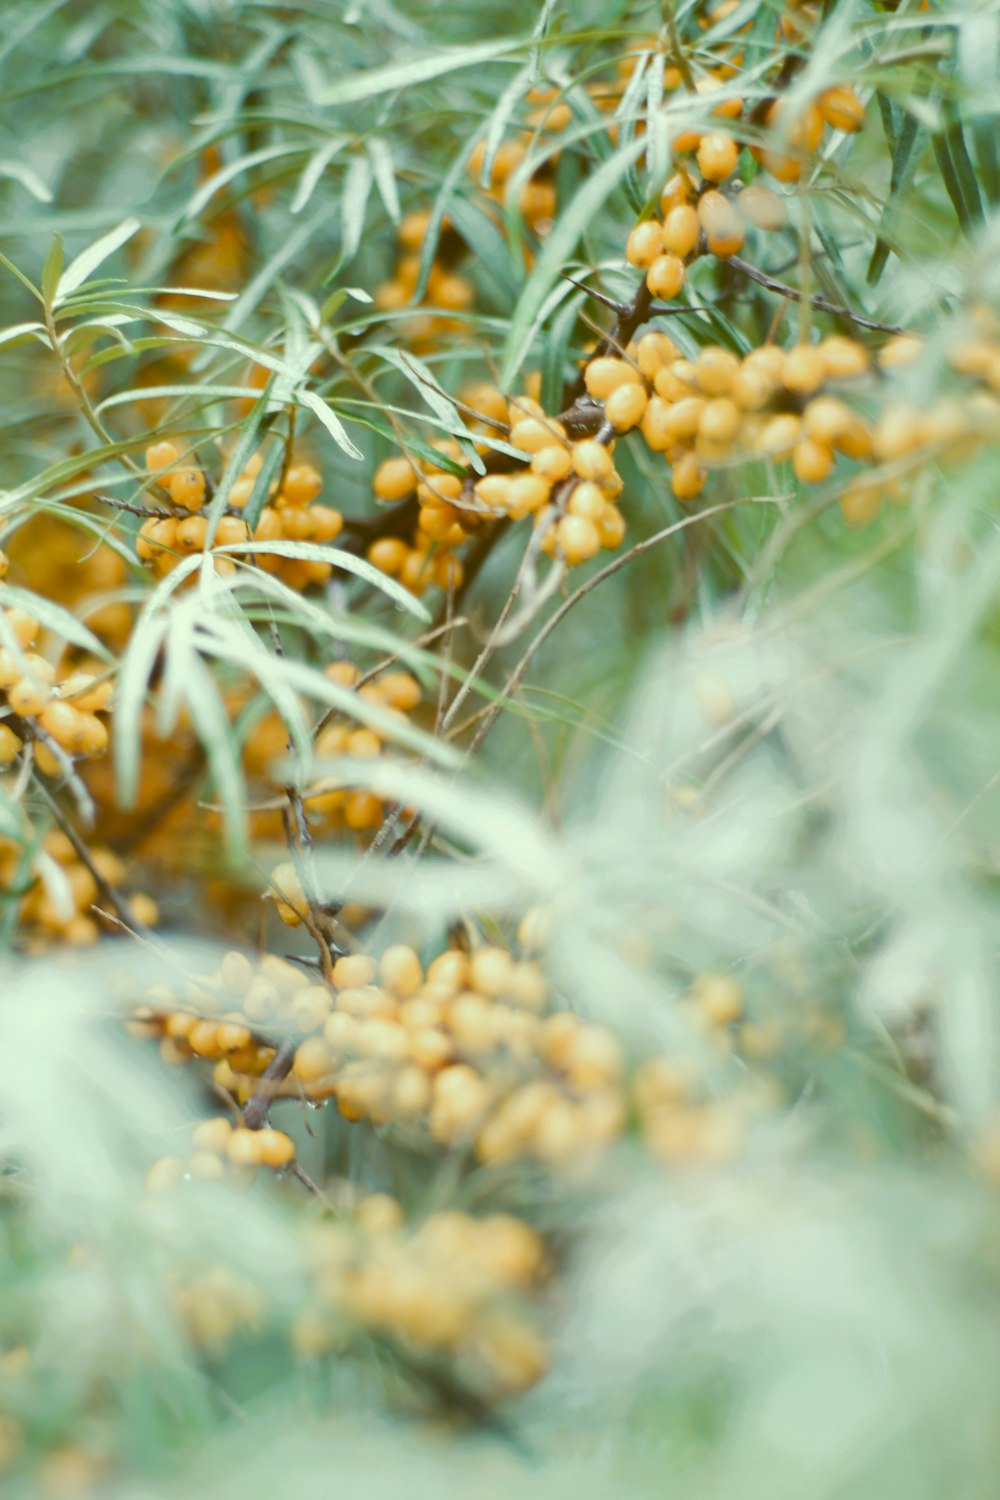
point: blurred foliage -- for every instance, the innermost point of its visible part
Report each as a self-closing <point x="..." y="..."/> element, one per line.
<point x="739" y="765"/>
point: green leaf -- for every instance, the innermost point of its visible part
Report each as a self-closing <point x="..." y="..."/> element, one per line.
<point x="148" y="635"/>
<point x="21" y="278"/>
<point x="555" y="252"/>
<point x="903" y="163"/>
<point x="215" y="733"/>
<point x="52" y="269"/>
<point x="269" y="470"/>
<point x="60" y="621"/>
<point x="329" y="419"/>
<point x="385" y="175"/>
<point x="22" y="173"/>
<point x="166" y="392"/>
<point x="237" y="461"/>
<point x="404" y="75"/>
<point x="959" y="177"/>
<point x="354" y="201"/>
<point x="318" y="552"/>
<point x="232" y="169"/>
<point x="313" y="171"/>
<point x="88" y="260"/>
<point x="23" y="331"/>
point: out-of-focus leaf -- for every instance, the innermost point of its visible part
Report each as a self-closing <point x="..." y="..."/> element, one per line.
<point x="392" y="77"/>
<point x="556" y="251"/>
<point x="87" y="262"/>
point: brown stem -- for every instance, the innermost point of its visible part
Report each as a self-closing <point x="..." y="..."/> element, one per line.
<point x="819" y="303"/>
<point x="256" y="1110"/>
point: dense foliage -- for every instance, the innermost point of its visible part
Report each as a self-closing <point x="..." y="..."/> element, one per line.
<point x="498" y="794"/>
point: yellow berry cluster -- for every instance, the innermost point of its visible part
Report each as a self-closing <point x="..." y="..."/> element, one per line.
<point x="463" y="1051"/>
<point x="453" y="1286"/>
<point x="214" y="1303"/>
<point x="698" y="215"/>
<point x="330" y="803"/>
<point x="536" y="201"/>
<point x="570" y="489"/>
<point x="446" y="290"/>
<point x="57" y="906"/>
<point x="703" y="411"/>
<point x="289" y="515"/>
<point x="216" y="1144"/>
<point x="60" y="715"/>
<point x="60" y="562"/>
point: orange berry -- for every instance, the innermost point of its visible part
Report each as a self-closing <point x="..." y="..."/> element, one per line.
<point x="160" y="456"/>
<point x="812" y="461"/>
<point x="93" y="735"/>
<point x="274" y="1148"/>
<point x="645" y="243"/>
<point x="156" y="536"/>
<point x="681" y="230"/>
<point x="841" y="108"/>
<point x="190" y="533"/>
<point x="653" y="352"/>
<point x="689" y="477"/>
<point x="762" y="208"/>
<point x="718" y="155"/>
<point x="388" y="554"/>
<point x="64" y="723"/>
<point x="805" y="369"/>
<point x="720" y="421"/>
<point x="591" y="460"/>
<point x="716" y="369"/>
<point x="552" y="463"/>
<point x="24" y="626"/>
<point x="302" y="485"/>
<point x="843" y="357"/>
<point x="577" y="539"/>
<point x="625" y="406"/>
<point x="394" y="480"/>
<point x="243" y="1148"/>
<point x="675" y="193"/>
<point x="606" y="374"/>
<point x="231" y="529"/>
<point x="665" y="276"/>
<point x="187" y="487"/>
<point x="10" y="745"/>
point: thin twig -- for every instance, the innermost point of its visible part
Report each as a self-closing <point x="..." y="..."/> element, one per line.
<point x="819" y="303"/>
<point x="256" y="1110"/>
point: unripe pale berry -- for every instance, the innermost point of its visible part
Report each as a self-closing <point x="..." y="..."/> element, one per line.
<point x="762" y="208"/>
<point x="722" y="225"/>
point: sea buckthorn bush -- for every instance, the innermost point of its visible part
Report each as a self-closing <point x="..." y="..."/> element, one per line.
<point x="498" y="794"/>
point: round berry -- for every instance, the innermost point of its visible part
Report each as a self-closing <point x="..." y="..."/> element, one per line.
<point x="645" y="243"/>
<point x="718" y="155"/>
<point x="665" y="276"/>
